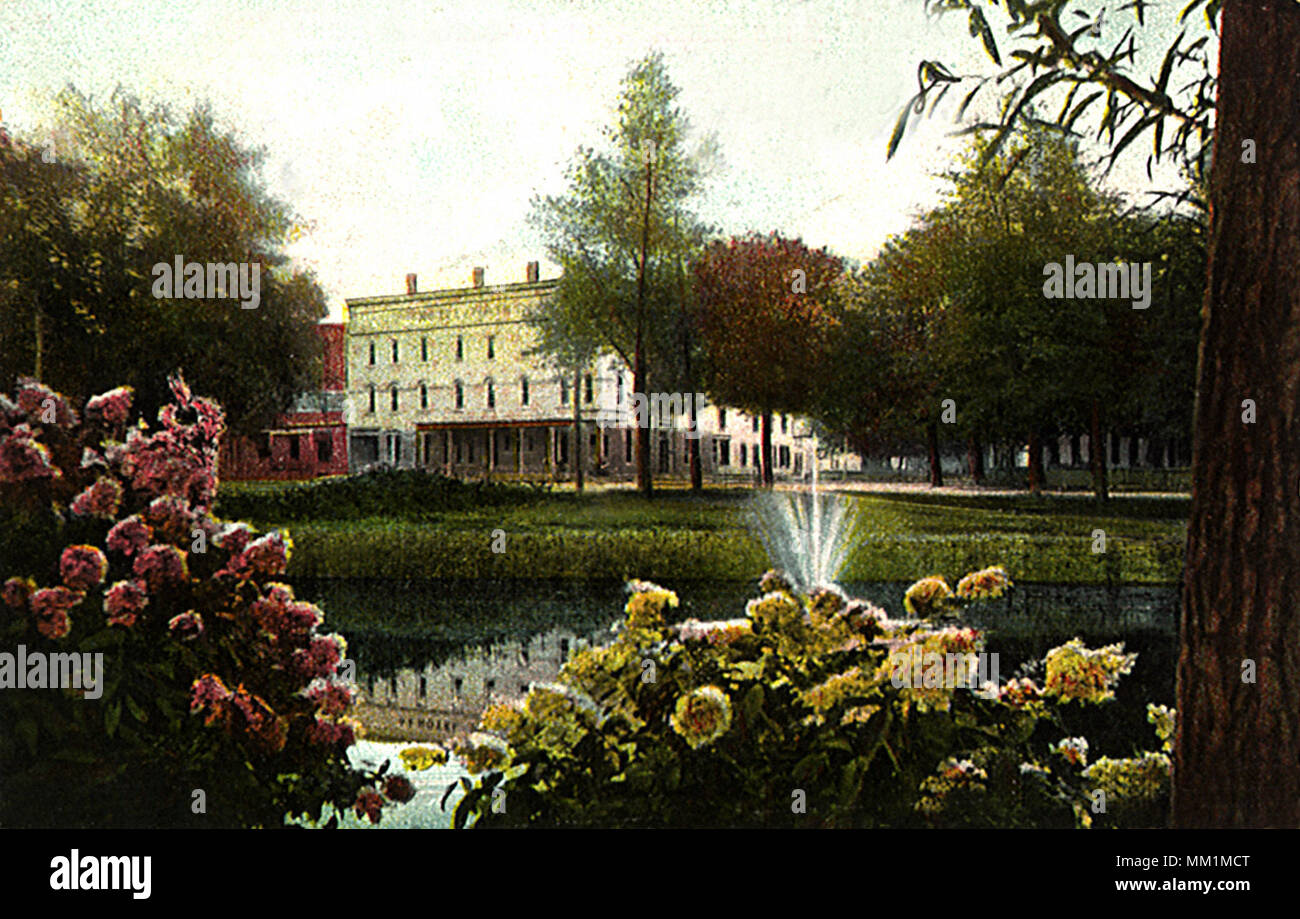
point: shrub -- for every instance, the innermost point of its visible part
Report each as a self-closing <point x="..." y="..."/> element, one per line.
<point x="802" y="715"/>
<point x="214" y="679"/>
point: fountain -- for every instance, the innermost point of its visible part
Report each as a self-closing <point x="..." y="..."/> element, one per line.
<point x="807" y="535"/>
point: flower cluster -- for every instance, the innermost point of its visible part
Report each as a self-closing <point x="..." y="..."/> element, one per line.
<point x="1077" y="673"/>
<point x="702" y="716"/>
<point x="1165" y="719"/>
<point x="927" y="597"/>
<point x="716" y="633"/>
<point x="1142" y="778"/>
<point x="418" y="759"/>
<point x="953" y="775"/>
<point x="985" y="584"/>
<point x="1074" y="749"/>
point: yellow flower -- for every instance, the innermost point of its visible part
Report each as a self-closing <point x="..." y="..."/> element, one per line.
<point x="417" y="759"/>
<point x="702" y="716"/>
<point x="926" y="596"/>
<point x="1075" y="672"/>
<point x="645" y="608"/>
<point x="1165" y="719"/>
<point x="503" y="718"/>
<point x="1145" y="777"/>
<point x="984" y="584"/>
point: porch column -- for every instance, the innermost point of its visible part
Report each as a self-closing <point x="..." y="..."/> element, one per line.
<point x="446" y="456"/>
<point x="519" y="454"/>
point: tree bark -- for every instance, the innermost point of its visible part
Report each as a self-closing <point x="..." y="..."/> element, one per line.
<point x="1097" y="453"/>
<point x="932" y="448"/>
<point x="645" y="481"/>
<point x="1035" y="464"/>
<point x="975" y="459"/>
<point x="1237" y="755"/>
<point x="693" y="449"/>
<point x="768" y="478"/>
<point x="577" y="430"/>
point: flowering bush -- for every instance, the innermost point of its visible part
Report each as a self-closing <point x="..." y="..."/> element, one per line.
<point x="720" y="724"/>
<point x="215" y="678"/>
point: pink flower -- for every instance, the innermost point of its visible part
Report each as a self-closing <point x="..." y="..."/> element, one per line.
<point x="16" y="592"/>
<point x="124" y="601"/>
<point x="22" y="457"/>
<point x="233" y="537"/>
<point x="130" y="535"/>
<point x="50" y="607"/>
<point x="186" y="626"/>
<point x="99" y="500"/>
<point x="369" y="804"/>
<point x="83" y="567"/>
<point x="43" y="405"/>
<point x="331" y="733"/>
<point x="170" y="516"/>
<point x="267" y="556"/>
<point x="330" y="698"/>
<point x="285" y="619"/>
<point x="206" y="690"/>
<point x="399" y="788"/>
<point x="161" y="565"/>
<point x="320" y="658"/>
<point x="112" y="407"/>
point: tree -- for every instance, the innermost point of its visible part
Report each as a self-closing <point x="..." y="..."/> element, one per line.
<point x="618" y="232"/>
<point x="130" y="188"/>
<point x="1237" y="753"/>
<point x="766" y="325"/>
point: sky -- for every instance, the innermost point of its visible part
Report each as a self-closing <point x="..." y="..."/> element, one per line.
<point x="411" y="136"/>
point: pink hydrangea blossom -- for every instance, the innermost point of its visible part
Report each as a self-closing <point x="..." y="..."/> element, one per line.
<point x="50" y="606"/>
<point x="186" y="626"/>
<point x="101" y="499"/>
<point x="266" y="557"/>
<point x="286" y="620"/>
<point x="161" y="565"/>
<point x="17" y="591"/>
<point x="331" y="733"/>
<point x="124" y="601"/>
<point x="22" y="457"/>
<point x="320" y="658"/>
<point x="83" y="567"/>
<point x="331" y="698"/>
<point x="207" y="691"/>
<point x="112" y="407"/>
<point x="130" y="535"/>
<point x="43" y="405"/>
<point x="171" y="516"/>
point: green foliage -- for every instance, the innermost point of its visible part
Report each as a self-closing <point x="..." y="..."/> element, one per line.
<point x="396" y="494"/>
<point x="134" y="186"/>
<point x="735" y="723"/>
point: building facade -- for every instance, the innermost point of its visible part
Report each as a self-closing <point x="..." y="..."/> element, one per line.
<point x="308" y="440"/>
<point x="448" y="380"/>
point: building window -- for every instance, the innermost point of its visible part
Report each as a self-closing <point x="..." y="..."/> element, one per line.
<point x="424" y="396"/>
<point x="457" y="684"/>
<point x="372" y="396"/>
<point x="523" y="390"/>
<point x="424" y="349"/>
<point x="564" y="391"/>
<point x="587" y="389"/>
<point x="394" y="350"/>
<point x="324" y="448"/>
<point x="755" y="423"/>
<point x="490" y="686"/>
<point x="460" y="394"/>
<point x="492" y="347"/>
<point x="743" y="457"/>
<point x="724" y="453"/>
<point x="460" y="347"/>
<point x="372" y="352"/>
<point x="722" y="418"/>
<point x="393" y="394"/>
<point x="293" y="446"/>
<point x="491" y="394"/>
<point x="785" y="420"/>
<point x="627" y="446"/>
<point x="619" y="378"/>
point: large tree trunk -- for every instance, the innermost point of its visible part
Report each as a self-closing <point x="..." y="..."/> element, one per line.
<point x="767" y="450"/>
<point x="643" y="479"/>
<point x="1097" y="453"/>
<point x="577" y="430"/>
<point x="975" y="459"/>
<point x="1237" y="757"/>
<point x="1035" y="464"/>
<point x="693" y="449"/>
<point x="932" y="448"/>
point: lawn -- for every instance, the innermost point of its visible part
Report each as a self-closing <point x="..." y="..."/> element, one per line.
<point x="676" y="535"/>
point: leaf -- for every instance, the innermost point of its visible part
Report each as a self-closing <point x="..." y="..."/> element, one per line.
<point x="112" y="715"/>
<point x="980" y="26"/>
<point x="899" y="127"/>
<point x="1168" y="64"/>
<point x="966" y="102"/>
<point x="136" y="711"/>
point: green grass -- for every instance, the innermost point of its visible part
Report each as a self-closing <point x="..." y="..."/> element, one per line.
<point x="679" y="535"/>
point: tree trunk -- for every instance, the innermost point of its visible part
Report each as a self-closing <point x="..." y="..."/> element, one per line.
<point x="1237" y="756"/>
<point x="40" y="338"/>
<point x="975" y="459"/>
<point x="693" y="449"/>
<point x="1035" y="464"/>
<point x="577" y="430"/>
<point x="645" y="481"/>
<point x="1097" y="453"/>
<point x="932" y="448"/>
<point x="768" y="478"/>
<point x="1074" y="450"/>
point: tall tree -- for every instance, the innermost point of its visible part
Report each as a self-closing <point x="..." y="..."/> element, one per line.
<point x="129" y="188"/>
<point x="766" y="325"/>
<point x="618" y="232"/>
<point x="1237" y="750"/>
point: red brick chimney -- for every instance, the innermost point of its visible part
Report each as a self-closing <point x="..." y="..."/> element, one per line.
<point x="410" y="284"/>
<point x="532" y="273"/>
<point x="478" y="277"/>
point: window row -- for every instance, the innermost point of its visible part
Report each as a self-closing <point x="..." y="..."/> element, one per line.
<point x="394" y="350"/>
<point x="525" y="394"/>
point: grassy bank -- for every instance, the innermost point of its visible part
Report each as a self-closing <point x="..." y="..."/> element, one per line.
<point x="677" y="535"/>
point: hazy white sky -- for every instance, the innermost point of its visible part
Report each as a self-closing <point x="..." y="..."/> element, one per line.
<point x="411" y="135"/>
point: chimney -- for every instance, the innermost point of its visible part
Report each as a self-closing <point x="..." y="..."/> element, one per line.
<point x="531" y="273"/>
<point x="410" y="284"/>
<point x="478" y="277"/>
